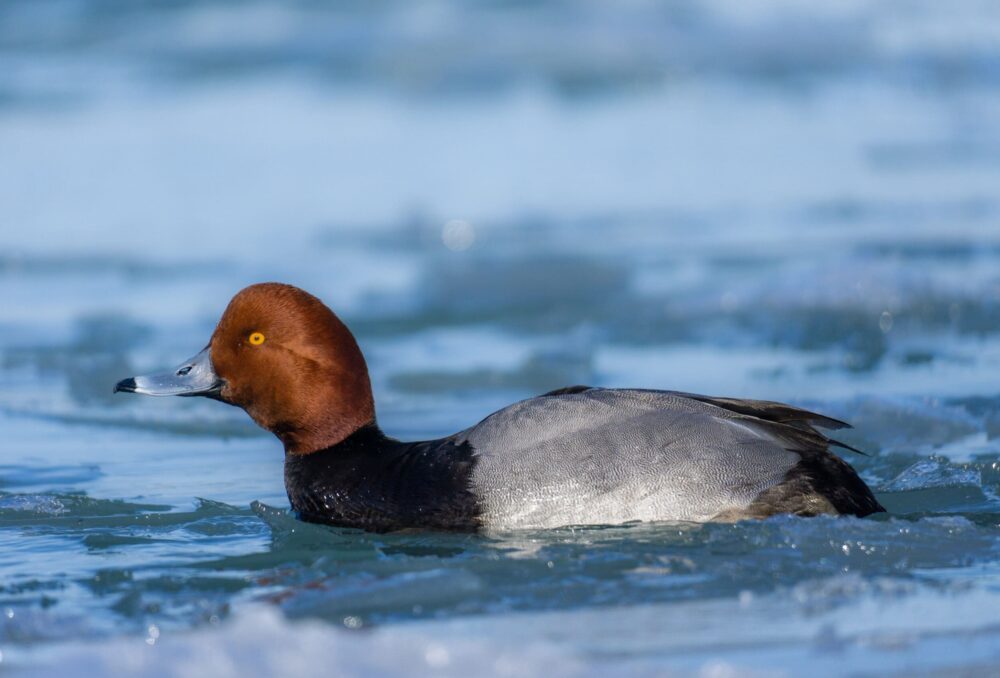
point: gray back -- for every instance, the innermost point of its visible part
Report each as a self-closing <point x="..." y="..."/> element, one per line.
<point x="616" y="455"/>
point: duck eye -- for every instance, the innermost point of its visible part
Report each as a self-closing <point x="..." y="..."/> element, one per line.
<point x="256" y="338"/>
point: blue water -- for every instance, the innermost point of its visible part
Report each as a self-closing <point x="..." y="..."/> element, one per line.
<point x="764" y="199"/>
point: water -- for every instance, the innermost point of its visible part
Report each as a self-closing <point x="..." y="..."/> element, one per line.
<point x="764" y="199"/>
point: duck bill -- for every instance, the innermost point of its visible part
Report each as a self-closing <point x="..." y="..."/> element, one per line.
<point x="194" y="377"/>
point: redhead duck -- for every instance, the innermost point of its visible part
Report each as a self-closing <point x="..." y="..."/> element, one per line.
<point x="577" y="455"/>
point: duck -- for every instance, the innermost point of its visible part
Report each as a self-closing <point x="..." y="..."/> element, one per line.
<point x="577" y="455"/>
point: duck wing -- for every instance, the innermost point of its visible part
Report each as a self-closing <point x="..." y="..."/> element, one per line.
<point x="584" y="455"/>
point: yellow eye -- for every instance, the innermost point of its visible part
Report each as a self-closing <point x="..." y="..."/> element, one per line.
<point x="256" y="338"/>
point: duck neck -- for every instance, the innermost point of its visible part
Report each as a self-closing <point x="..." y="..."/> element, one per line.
<point x="334" y="407"/>
<point x="366" y="439"/>
<point x="303" y="441"/>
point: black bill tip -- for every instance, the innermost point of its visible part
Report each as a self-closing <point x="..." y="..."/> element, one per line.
<point x="126" y="385"/>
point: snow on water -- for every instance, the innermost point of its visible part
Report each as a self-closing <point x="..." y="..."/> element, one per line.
<point x="743" y="636"/>
<point x="767" y="199"/>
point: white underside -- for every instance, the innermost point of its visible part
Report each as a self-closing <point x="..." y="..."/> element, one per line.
<point x="569" y="505"/>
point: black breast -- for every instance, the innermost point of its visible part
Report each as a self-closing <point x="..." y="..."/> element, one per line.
<point x="373" y="482"/>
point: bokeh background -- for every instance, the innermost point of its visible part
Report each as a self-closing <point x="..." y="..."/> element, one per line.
<point x="769" y="198"/>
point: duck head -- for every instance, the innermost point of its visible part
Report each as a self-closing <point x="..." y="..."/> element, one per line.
<point x="286" y="359"/>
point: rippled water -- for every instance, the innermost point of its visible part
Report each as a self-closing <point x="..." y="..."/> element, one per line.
<point x="760" y="199"/>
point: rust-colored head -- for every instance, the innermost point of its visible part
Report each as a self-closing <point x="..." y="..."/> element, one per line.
<point x="284" y="357"/>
